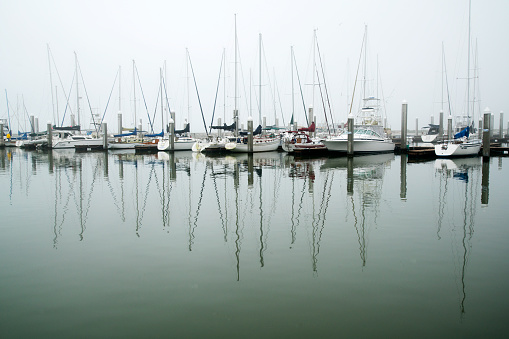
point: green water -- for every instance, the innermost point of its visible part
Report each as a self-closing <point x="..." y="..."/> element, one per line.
<point x="121" y="245"/>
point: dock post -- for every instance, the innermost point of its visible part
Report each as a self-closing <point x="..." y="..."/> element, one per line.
<point x="485" y="181"/>
<point x="105" y="136"/>
<point x="2" y="144"/>
<point x="492" y="125"/>
<point x="32" y="124"/>
<point x="402" y="189"/>
<point x="219" y="131"/>
<point x="140" y="128"/>
<point x="441" y="126"/>
<point x="120" y="123"/>
<point x="171" y="135"/>
<point x="486" y="133"/>
<point x="432" y="119"/>
<point x="479" y="130"/>
<point x="277" y="123"/>
<point x="349" y="144"/>
<point x="36" y="125"/>
<point x="250" y="135"/>
<point x="404" y="116"/>
<point x="236" y="121"/>
<point x="264" y="124"/>
<point x="49" y="130"/>
<point x="416" y="127"/>
<point x="501" y="133"/>
<point x="449" y="127"/>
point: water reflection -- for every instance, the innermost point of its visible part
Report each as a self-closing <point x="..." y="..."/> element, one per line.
<point x="364" y="189"/>
<point x="464" y="174"/>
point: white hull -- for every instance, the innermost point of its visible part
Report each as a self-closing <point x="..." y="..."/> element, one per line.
<point x="339" y="144"/>
<point x="179" y="145"/>
<point x="458" y="149"/>
<point x="71" y="143"/>
<point x="123" y="145"/>
<point x="261" y="145"/>
<point x="429" y="137"/>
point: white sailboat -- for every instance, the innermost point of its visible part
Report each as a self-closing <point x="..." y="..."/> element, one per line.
<point x="369" y="133"/>
<point x="261" y="143"/>
<point x="462" y="144"/>
<point x="182" y="141"/>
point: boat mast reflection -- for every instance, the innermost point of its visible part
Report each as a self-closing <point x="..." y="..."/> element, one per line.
<point x="465" y="172"/>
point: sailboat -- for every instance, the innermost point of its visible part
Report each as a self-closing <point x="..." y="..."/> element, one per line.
<point x="369" y="134"/>
<point x="462" y="145"/>
<point x="64" y="138"/>
<point x="261" y="143"/>
<point x="182" y="141"/>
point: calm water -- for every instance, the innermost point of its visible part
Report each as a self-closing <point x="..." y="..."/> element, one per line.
<point x="123" y="245"/>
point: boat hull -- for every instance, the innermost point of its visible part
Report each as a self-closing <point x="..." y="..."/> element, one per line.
<point x="262" y="145"/>
<point x="178" y="145"/>
<point x="458" y="149"/>
<point x="360" y="146"/>
<point x="70" y="143"/>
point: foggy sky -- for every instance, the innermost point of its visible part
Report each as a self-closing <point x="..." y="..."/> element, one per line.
<point x="404" y="37"/>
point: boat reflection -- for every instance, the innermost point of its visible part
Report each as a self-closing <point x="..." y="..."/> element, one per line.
<point x="364" y="189"/>
<point x="464" y="189"/>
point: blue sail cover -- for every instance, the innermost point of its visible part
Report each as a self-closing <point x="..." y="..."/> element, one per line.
<point x="463" y="133"/>
<point x="125" y="134"/>
<point x="155" y="135"/>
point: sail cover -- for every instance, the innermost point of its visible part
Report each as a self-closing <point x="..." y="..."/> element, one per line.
<point x="464" y="133"/>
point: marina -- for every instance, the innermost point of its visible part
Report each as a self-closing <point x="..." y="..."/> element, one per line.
<point x="124" y="244"/>
<point x="255" y="169"/>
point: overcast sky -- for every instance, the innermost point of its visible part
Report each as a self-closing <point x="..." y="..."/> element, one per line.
<point x="404" y="36"/>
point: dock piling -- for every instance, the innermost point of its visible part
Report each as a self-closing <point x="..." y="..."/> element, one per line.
<point x="349" y="144"/>
<point x="119" y="123"/>
<point x="501" y="132"/>
<point x="49" y="129"/>
<point x="404" y="125"/>
<point x="250" y="135"/>
<point x="171" y="134"/>
<point x="449" y="127"/>
<point x="441" y="126"/>
<point x="486" y="133"/>
<point x="105" y="135"/>
<point x="2" y="144"/>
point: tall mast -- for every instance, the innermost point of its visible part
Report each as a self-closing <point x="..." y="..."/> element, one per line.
<point x="468" y="63"/>
<point x="119" y="90"/>
<point x="51" y="84"/>
<point x="314" y="66"/>
<point x="77" y="90"/>
<point x="293" y="94"/>
<point x="187" y="82"/>
<point x="134" y="92"/>
<point x="224" y="85"/>
<point x="365" y="63"/>
<point x="442" y="106"/>
<point x="260" y="84"/>
<point x="235" y="110"/>
<point x="162" y="111"/>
